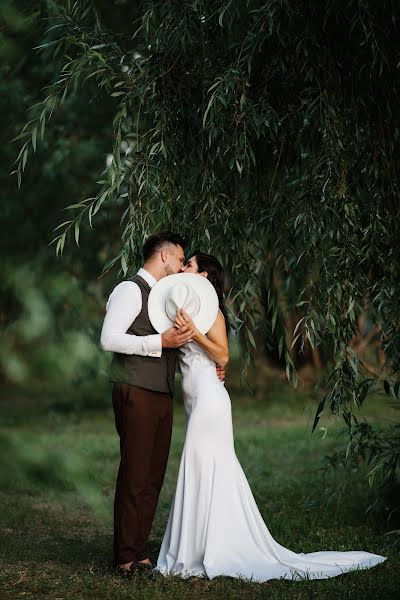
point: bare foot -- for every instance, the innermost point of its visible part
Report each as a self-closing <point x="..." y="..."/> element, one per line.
<point x="146" y="561"/>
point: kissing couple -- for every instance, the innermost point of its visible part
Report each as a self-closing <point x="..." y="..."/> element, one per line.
<point x="172" y="314"/>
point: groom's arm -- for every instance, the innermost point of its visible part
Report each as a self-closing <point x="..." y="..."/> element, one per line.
<point x="123" y="306"/>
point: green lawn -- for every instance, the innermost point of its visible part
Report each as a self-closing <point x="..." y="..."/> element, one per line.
<point x="56" y="514"/>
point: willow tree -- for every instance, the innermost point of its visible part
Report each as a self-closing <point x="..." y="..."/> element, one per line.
<point x="268" y="134"/>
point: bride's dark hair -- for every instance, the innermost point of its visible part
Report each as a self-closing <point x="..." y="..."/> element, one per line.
<point x="206" y="262"/>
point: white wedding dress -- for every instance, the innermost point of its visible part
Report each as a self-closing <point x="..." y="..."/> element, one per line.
<point x="214" y="526"/>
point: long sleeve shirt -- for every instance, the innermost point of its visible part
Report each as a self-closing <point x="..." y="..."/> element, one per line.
<point x="123" y="306"/>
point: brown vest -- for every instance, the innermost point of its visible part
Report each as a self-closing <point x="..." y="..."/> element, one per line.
<point x="147" y="372"/>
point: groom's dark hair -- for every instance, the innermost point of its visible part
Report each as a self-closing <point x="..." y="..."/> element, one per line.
<point x="155" y="242"/>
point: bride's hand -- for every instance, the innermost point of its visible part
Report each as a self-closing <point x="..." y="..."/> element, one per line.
<point x="179" y="322"/>
<point x="185" y="322"/>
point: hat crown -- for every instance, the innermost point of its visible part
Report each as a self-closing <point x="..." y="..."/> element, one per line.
<point x="182" y="296"/>
<point x="190" y="291"/>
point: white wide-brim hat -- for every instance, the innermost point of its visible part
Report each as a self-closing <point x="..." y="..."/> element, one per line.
<point x="192" y="292"/>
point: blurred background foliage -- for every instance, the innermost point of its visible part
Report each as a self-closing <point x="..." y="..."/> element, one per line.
<point x="267" y="133"/>
<point x="51" y="310"/>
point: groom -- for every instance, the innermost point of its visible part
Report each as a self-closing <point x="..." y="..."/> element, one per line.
<point x="143" y="372"/>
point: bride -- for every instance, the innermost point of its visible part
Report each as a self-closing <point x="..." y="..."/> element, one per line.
<point x="214" y="526"/>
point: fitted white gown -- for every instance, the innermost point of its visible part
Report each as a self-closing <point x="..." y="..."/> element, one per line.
<point x="214" y="526"/>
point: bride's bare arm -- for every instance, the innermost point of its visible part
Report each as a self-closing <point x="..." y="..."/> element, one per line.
<point x="215" y="343"/>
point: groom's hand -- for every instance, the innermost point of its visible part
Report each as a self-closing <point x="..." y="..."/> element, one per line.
<point x="174" y="338"/>
<point x="220" y="373"/>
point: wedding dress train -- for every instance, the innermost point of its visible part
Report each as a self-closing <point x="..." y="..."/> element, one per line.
<point x="214" y="526"/>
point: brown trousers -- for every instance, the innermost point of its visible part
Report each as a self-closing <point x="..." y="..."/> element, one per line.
<point x="143" y="419"/>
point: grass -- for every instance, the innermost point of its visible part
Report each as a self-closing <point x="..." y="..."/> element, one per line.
<point x="56" y="513"/>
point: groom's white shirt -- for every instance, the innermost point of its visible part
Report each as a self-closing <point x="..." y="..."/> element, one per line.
<point x="123" y="306"/>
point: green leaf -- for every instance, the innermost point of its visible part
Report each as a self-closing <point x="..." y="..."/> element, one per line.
<point x="251" y="338"/>
<point x="209" y="105"/>
<point x="318" y="413"/>
<point x="20" y="136"/>
<point x="280" y="346"/>
<point x="124" y="264"/>
<point x="62" y="225"/>
<point x="273" y="321"/>
<point x="34" y="134"/>
<point x="24" y="159"/>
<point x="77" y="233"/>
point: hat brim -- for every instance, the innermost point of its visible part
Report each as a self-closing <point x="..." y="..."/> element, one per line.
<point x="209" y="303"/>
